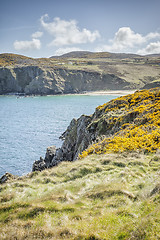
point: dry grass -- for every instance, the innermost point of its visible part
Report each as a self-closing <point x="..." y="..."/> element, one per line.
<point x="100" y="197"/>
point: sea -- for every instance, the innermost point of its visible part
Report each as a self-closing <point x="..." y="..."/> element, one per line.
<point x="28" y="125"/>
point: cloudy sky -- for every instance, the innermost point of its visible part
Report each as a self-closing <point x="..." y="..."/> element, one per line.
<point x="43" y="28"/>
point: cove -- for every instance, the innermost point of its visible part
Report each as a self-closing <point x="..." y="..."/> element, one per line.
<point x="28" y="125"/>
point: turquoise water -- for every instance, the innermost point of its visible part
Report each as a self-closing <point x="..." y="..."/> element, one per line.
<point x="28" y="125"/>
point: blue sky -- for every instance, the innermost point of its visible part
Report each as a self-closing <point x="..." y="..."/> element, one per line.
<point x="43" y="28"/>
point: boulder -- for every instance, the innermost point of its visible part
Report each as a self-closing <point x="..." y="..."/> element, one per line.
<point x="7" y="176"/>
<point x="39" y="165"/>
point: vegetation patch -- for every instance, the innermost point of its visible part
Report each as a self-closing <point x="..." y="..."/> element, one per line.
<point x="137" y="127"/>
<point x="109" y="201"/>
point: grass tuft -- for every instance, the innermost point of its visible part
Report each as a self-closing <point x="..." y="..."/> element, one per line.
<point x="107" y="196"/>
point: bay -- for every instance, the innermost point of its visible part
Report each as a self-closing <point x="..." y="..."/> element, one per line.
<point x="28" y="125"/>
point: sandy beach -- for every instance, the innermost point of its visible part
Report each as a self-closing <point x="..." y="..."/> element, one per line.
<point x="109" y="92"/>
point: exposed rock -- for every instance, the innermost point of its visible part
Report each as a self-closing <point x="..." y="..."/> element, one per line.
<point x="39" y="165"/>
<point x="153" y="84"/>
<point x="42" y="164"/>
<point x="38" y="80"/>
<point x="7" y="176"/>
<point x="50" y="153"/>
<point x="76" y="139"/>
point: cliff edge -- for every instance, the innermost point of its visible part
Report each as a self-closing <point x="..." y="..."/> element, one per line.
<point x="37" y="80"/>
<point x="128" y="123"/>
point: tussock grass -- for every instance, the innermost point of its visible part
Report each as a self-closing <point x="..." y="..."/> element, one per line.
<point x="111" y="196"/>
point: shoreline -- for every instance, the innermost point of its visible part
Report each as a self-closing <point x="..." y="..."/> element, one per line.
<point x="87" y="93"/>
<point x="107" y="92"/>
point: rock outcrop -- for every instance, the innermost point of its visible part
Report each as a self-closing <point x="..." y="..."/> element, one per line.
<point x="153" y="84"/>
<point x="79" y="135"/>
<point x="119" y="124"/>
<point x="76" y="139"/>
<point x="38" y="80"/>
<point x="47" y="161"/>
<point x="7" y="177"/>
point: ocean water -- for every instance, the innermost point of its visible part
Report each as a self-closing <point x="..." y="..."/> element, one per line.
<point x="28" y="125"/>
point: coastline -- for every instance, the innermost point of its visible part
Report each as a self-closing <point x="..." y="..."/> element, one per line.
<point x="88" y="93"/>
<point x="108" y="92"/>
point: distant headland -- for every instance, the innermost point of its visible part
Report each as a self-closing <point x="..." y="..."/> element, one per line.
<point x="78" y="72"/>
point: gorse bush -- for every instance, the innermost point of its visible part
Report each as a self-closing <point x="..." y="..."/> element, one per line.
<point x="137" y="117"/>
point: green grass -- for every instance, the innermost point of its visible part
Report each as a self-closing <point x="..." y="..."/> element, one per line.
<point x="113" y="196"/>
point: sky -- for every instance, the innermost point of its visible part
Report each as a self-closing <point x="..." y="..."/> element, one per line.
<point x="44" y="28"/>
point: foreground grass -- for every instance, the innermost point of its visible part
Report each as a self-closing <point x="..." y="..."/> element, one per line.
<point x="109" y="196"/>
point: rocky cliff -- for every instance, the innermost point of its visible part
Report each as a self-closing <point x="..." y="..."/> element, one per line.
<point x="37" y="80"/>
<point x="78" y="72"/>
<point x="127" y="123"/>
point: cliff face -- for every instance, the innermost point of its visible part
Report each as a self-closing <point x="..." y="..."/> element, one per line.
<point x="126" y="123"/>
<point x="36" y="80"/>
<point x="77" y="72"/>
<point x="17" y="79"/>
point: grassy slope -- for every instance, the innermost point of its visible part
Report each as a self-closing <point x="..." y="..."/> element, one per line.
<point x="103" y="196"/>
<point x="113" y="196"/>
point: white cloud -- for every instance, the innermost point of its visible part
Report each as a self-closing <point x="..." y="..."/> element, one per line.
<point x="126" y="40"/>
<point x="67" y="32"/>
<point x="151" y="36"/>
<point x="151" y="48"/>
<point x="61" y="51"/>
<point x="27" y="45"/>
<point x="37" y="34"/>
<point x="126" y="37"/>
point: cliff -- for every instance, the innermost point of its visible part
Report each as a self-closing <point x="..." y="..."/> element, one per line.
<point x="128" y="123"/>
<point x="36" y="80"/>
<point x="74" y="73"/>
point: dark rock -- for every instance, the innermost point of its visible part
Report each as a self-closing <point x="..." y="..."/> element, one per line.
<point x="47" y="162"/>
<point x="76" y="139"/>
<point x="39" y="165"/>
<point x="153" y="84"/>
<point x="7" y="176"/>
<point x="50" y="153"/>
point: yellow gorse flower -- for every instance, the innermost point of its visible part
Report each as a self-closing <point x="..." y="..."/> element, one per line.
<point x="140" y="133"/>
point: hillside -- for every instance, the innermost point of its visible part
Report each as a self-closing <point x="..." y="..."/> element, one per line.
<point x="113" y="196"/>
<point x="76" y="72"/>
<point x="111" y="192"/>
<point x="127" y="123"/>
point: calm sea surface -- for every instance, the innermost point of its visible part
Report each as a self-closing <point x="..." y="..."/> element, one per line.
<point x="28" y="125"/>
